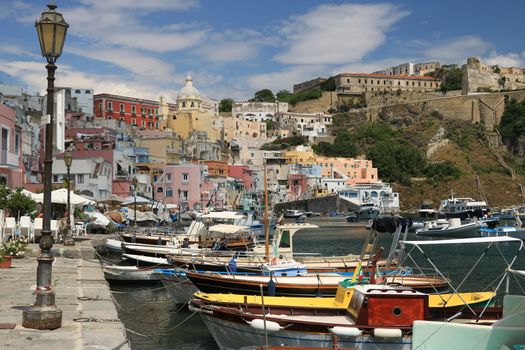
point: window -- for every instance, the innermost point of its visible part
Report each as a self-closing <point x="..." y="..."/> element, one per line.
<point x="185" y="177"/>
<point x="17" y="143"/>
<point x="143" y="123"/>
<point x="121" y="108"/>
<point x="80" y="178"/>
<point x="156" y="111"/>
<point x="87" y="92"/>
<point x="160" y="190"/>
<point x="133" y="109"/>
<point x="143" y="110"/>
<point x="185" y="195"/>
<point x="169" y="192"/>
<point x="55" y="178"/>
<point x="110" y="106"/>
<point x="192" y="104"/>
<point x="133" y="121"/>
<point x="168" y="176"/>
<point x="100" y="106"/>
<point x="183" y="104"/>
<point x="150" y="112"/>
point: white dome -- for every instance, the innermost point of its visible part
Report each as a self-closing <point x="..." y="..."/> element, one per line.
<point x="189" y="91"/>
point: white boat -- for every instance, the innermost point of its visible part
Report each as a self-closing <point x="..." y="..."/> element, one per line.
<point x="129" y="273"/>
<point x="143" y="260"/>
<point x="292" y="213"/>
<point x="450" y="228"/>
<point x="463" y="207"/>
<point x="510" y="231"/>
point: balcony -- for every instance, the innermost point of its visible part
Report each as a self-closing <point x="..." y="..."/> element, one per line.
<point x="9" y="159"/>
<point x="172" y="150"/>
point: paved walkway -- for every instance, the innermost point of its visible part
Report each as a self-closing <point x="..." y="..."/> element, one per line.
<point x="89" y="317"/>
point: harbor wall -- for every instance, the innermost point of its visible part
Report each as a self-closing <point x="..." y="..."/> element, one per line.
<point x="324" y="205"/>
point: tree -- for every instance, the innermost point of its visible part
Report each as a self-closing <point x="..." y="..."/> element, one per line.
<point x="226" y="105"/>
<point x="264" y="95"/>
<point x="19" y="204"/>
<point x="328" y="84"/>
<point x="284" y="96"/>
<point x="452" y="77"/>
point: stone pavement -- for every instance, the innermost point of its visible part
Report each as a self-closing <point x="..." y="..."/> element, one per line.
<point x="89" y="317"/>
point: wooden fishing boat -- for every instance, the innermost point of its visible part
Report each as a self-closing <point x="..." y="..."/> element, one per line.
<point x="307" y="285"/>
<point x="377" y="317"/>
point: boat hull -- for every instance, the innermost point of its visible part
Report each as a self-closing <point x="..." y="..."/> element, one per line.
<point x="178" y="286"/>
<point x="230" y="334"/>
<point x="123" y="274"/>
<point x="470" y="231"/>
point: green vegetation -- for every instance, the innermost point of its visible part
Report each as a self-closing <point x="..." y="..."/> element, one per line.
<point x="512" y="125"/>
<point x="442" y="171"/>
<point x="291" y="98"/>
<point x="270" y="124"/>
<point x="397" y="157"/>
<point x="15" y="201"/>
<point x="264" y="95"/>
<point x="451" y="77"/>
<point x="284" y="143"/>
<point x="226" y="105"/>
<point x="328" y="85"/>
<point x="343" y="146"/>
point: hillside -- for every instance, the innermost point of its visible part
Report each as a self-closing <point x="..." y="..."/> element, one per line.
<point x="460" y="157"/>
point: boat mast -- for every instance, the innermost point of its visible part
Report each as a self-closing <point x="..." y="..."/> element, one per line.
<point x="266" y="225"/>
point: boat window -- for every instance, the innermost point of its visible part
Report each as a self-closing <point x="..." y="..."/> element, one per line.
<point x="285" y="240"/>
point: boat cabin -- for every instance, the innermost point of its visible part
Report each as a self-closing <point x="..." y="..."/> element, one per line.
<point x="282" y="242"/>
<point x="386" y="306"/>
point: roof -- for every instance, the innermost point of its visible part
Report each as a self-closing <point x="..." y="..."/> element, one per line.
<point x="387" y="76"/>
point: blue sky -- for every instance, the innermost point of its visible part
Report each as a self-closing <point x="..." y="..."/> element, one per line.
<point x="235" y="47"/>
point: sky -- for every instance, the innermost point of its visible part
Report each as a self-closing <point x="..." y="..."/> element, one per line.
<point x="233" y="48"/>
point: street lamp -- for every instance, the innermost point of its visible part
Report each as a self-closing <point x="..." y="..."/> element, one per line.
<point x="68" y="160"/>
<point x="43" y="314"/>
<point x="135" y="184"/>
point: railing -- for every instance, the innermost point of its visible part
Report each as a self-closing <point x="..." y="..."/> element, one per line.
<point x="8" y="158"/>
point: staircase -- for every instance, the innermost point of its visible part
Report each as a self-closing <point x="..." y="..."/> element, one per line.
<point x="505" y="165"/>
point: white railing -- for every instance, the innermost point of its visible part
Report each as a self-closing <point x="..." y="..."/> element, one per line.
<point x="8" y="158"/>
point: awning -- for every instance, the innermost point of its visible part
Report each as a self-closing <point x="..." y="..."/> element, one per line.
<point x="496" y="239"/>
<point x="60" y="197"/>
<point x="223" y="228"/>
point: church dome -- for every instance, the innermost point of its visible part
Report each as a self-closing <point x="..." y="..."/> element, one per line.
<point x="189" y="91"/>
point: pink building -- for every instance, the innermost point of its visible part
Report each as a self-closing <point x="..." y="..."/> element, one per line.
<point x="182" y="185"/>
<point x="297" y="185"/>
<point x="355" y="171"/>
<point x="11" y="167"/>
<point x="242" y="173"/>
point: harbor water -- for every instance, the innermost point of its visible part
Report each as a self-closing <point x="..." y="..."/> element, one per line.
<point x="155" y="322"/>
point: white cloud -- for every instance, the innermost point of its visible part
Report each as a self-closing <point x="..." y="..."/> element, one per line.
<point x="286" y="78"/>
<point x="337" y="34"/>
<point x="33" y="75"/>
<point x="505" y="60"/>
<point x="457" y="50"/>
<point x="232" y="46"/>
<point x="131" y="60"/>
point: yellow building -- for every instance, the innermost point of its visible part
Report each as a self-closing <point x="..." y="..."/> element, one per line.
<point x="237" y="128"/>
<point x="190" y="116"/>
<point x="301" y="155"/>
<point x="164" y="147"/>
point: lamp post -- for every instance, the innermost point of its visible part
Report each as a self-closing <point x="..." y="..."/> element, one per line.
<point x="68" y="160"/>
<point x="44" y="314"/>
<point x="135" y="183"/>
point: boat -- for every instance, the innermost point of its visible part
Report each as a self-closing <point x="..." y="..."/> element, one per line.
<point x="450" y="228"/>
<point x="367" y="211"/>
<point x="281" y="246"/>
<point x="123" y="273"/>
<point x="463" y="208"/>
<point x="143" y="260"/>
<point x="301" y="219"/>
<point x="371" y="316"/>
<point x="377" y="317"/>
<point x="511" y="231"/>
<point x="292" y="213"/>
<point x="325" y="285"/>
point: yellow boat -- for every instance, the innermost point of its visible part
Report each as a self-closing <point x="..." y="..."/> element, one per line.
<point x="342" y="299"/>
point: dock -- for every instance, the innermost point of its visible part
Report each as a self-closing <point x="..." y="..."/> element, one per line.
<point x="89" y="316"/>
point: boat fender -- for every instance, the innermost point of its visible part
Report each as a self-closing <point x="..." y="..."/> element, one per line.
<point x="345" y="331"/>
<point x="389" y="333"/>
<point x="270" y="325"/>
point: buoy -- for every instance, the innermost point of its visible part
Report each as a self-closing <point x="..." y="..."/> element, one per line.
<point x="270" y="325"/>
<point x="388" y="333"/>
<point x="345" y="331"/>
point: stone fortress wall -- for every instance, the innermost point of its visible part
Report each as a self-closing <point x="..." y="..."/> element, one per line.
<point x="478" y="77"/>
